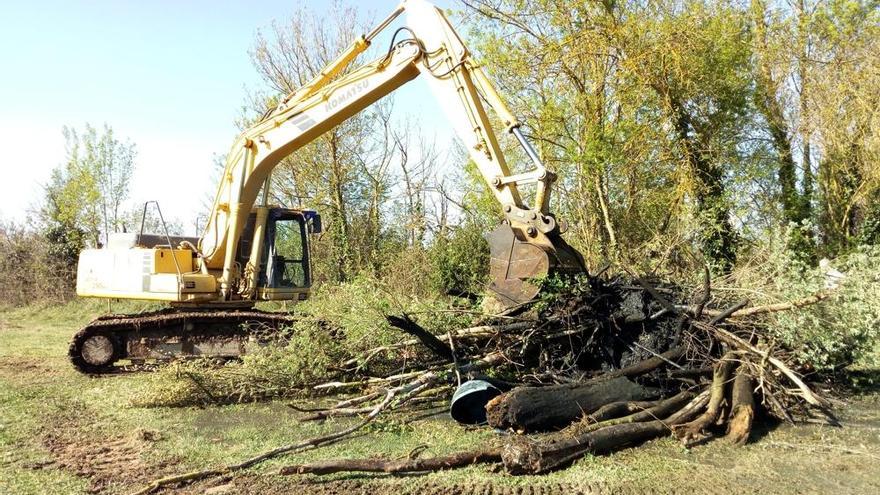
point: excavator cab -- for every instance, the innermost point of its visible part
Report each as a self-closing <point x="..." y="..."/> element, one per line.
<point x="285" y="268"/>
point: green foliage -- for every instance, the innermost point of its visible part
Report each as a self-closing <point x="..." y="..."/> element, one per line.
<point x="841" y="330"/>
<point x="37" y="267"/>
<point x="460" y="261"/>
<point x="869" y="233"/>
<point x="712" y="117"/>
<point x="275" y="370"/>
<point x="354" y="313"/>
<point x="801" y="243"/>
<point x="341" y="322"/>
<point x="561" y="288"/>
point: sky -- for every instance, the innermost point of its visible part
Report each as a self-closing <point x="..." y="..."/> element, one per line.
<point x="170" y="76"/>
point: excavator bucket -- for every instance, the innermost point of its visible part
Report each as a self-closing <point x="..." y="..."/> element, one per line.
<point x="517" y="264"/>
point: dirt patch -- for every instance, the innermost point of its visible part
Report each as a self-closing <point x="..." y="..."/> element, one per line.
<point x="404" y="485"/>
<point x="112" y="463"/>
<point x="21" y="365"/>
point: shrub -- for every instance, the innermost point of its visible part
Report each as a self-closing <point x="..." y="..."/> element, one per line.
<point x="460" y="261"/>
<point x="35" y="268"/>
<point x="835" y="333"/>
<point x="271" y="371"/>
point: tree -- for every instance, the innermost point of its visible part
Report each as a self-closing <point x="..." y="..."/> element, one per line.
<point x="349" y="173"/>
<point x="845" y="88"/>
<point x="87" y="192"/>
<point x="639" y="107"/>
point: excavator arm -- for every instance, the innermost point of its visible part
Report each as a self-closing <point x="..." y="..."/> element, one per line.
<point x="526" y="247"/>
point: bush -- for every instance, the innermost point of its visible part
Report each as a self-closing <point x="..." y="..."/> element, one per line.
<point x="268" y="371"/>
<point x="35" y="268"/>
<point x="840" y="331"/>
<point x="460" y="261"/>
<point x="844" y="329"/>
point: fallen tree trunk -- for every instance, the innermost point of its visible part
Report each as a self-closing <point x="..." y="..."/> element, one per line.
<point x="548" y="408"/>
<point x="695" y="431"/>
<point x="529" y="457"/>
<point x="440" y="463"/>
<point x="742" y="412"/>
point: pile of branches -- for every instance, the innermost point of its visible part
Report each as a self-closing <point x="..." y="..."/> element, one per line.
<point x="619" y="362"/>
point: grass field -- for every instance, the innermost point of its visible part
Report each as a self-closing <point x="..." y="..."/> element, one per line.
<point x="62" y="432"/>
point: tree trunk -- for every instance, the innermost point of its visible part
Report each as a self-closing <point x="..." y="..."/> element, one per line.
<point x="695" y="431"/>
<point x="742" y="411"/>
<point x="528" y="457"/>
<point x="547" y="408"/>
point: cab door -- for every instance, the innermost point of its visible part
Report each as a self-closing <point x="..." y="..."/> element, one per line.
<point x="287" y="272"/>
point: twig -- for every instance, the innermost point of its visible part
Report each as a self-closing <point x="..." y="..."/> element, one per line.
<point x="728" y="312"/>
<point x="454" y="360"/>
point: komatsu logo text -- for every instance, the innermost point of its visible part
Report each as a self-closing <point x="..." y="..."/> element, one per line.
<point x="348" y="94"/>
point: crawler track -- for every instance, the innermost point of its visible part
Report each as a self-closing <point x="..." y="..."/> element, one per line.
<point x="169" y="334"/>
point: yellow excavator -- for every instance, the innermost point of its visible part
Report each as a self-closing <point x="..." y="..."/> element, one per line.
<point x="252" y="251"/>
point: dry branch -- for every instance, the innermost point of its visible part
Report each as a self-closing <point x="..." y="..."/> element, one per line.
<point x="619" y="409"/>
<point x="659" y="409"/>
<point x="440" y="463"/>
<point x="769" y="308"/>
<point x="435" y="345"/>
<point x="734" y="341"/>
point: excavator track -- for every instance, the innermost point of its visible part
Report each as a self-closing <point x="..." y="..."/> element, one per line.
<point x="170" y="334"/>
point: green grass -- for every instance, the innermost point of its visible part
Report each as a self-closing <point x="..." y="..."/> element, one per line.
<point x="40" y="394"/>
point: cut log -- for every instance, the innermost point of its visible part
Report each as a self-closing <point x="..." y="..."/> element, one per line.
<point x="527" y="409"/>
<point x="742" y="411"/>
<point x="522" y="456"/>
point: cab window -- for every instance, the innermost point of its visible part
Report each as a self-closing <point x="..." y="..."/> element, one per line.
<point x="287" y="256"/>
